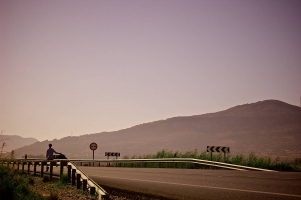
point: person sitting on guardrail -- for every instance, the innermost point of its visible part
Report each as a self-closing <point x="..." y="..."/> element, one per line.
<point x="49" y="154"/>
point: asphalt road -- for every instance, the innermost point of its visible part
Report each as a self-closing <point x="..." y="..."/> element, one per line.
<point x="200" y="184"/>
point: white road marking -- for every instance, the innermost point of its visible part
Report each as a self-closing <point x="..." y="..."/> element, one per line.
<point x="210" y="187"/>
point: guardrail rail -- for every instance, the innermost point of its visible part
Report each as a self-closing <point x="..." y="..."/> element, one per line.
<point x="175" y="160"/>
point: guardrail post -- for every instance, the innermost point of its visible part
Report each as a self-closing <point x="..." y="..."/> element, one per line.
<point x="85" y="185"/>
<point x="51" y="169"/>
<point x="42" y="169"/>
<point x="69" y="173"/>
<point x="28" y="167"/>
<point x="62" y="164"/>
<point x="73" y="177"/>
<point x="23" y="163"/>
<point x="92" y="190"/>
<point x="35" y="168"/>
<point x="78" y="183"/>
<point x="18" y="167"/>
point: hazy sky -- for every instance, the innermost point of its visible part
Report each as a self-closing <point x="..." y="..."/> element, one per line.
<point x="80" y="67"/>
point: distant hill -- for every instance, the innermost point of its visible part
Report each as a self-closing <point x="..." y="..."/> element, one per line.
<point x="270" y="127"/>
<point x="14" y="142"/>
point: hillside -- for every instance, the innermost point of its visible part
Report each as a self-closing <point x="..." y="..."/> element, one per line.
<point x="14" y="142"/>
<point x="268" y="127"/>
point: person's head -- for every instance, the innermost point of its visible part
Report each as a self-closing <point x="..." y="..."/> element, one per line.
<point x="50" y="145"/>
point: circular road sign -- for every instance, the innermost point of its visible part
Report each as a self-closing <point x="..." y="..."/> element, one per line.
<point x="93" y="146"/>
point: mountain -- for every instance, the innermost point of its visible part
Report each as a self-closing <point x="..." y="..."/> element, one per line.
<point x="269" y="127"/>
<point x="14" y="142"/>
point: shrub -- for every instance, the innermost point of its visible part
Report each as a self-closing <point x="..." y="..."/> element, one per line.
<point x="282" y="167"/>
<point x="64" y="179"/>
<point x="15" y="186"/>
<point x="30" y="180"/>
<point x="252" y="160"/>
<point x="53" y="196"/>
<point x="7" y="184"/>
<point x="46" y="178"/>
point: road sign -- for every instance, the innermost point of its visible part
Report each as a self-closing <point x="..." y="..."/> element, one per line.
<point x="218" y="149"/>
<point x="117" y="154"/>
<point x="93" y="146"/>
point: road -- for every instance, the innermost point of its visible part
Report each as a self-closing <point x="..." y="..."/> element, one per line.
<point x="200" y="184"/>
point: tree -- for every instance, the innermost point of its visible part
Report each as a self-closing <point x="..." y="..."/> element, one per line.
<point x="2" y="143"/>
<point x="12" y="154"/>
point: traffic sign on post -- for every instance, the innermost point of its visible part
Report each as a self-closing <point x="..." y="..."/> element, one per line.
<point x="116" y="154"/>
<point x="93" y="147"/>
<point x="218" y="149"/>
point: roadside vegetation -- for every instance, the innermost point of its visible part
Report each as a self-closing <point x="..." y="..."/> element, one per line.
<point x="16" y="186"/>
<point x="252" y="160"/>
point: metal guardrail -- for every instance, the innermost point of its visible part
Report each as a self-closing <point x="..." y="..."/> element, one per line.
<point x="84" y="182"/>
<point x="176" y="160"/>
<point x="74" y="173"/>
<point x="90" y="182"/>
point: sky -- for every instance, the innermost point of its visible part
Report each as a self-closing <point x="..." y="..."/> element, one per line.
<point x="74" y="67"/>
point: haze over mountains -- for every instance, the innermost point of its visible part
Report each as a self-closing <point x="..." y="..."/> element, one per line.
<point x="14" y="141"/>
<point x="270" y="127"/>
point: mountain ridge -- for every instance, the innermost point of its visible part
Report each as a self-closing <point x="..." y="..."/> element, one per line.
<point x="269" y="127"/>
<point x="13" y="142"/>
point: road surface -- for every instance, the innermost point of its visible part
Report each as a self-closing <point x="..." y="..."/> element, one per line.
<point x="200" y="184"/>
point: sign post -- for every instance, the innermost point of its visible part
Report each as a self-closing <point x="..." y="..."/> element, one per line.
<point x="93" y="147"/>
<point x="108" y="154"/>
<point x="219" y="150"/>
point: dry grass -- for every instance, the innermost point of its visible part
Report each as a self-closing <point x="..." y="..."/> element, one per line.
<point x="54" y="189"/>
